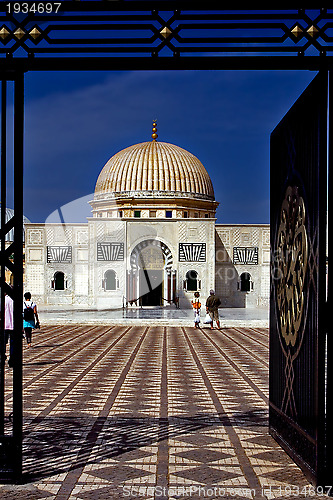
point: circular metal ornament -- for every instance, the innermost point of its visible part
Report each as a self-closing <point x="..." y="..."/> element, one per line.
<point x="291" y="262"/>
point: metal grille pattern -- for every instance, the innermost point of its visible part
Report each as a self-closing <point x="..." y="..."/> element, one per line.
<point x="245" y="255"/>
<point x="110" y="251"/>
<point x="192" y="252"/>
<point x="169" y="30"/>
<point x="59" y="254"/>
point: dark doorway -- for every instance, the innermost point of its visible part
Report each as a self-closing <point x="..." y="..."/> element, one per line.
<point x="59" y="281"/>
<point x="151" y="287"/>
<point x="110" y="280"/>
<point x="192" y="281"/>
<point x="152" y="263"/>
<point x="245" y="282"/>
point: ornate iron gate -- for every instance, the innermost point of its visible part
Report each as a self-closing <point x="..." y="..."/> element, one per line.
<point x="297" y="410"/>
<point x="179" y="35"/>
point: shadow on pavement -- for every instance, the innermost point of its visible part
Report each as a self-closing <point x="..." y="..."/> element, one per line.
<point x="63" y="444"/>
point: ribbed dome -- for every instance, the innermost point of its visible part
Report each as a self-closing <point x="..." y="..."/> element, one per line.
<point x="154" y="166"/>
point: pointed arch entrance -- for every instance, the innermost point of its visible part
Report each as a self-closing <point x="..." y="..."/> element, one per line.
<point x="151" y="279"/>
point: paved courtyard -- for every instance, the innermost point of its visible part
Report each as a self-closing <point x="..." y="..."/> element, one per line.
<point x="169" y="316"/>
<point x="150" y="412"/>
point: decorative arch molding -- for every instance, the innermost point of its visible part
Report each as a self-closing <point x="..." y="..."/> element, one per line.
<point x="134" y="259"/>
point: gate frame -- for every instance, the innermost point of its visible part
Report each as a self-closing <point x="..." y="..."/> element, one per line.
<point x="14" y="35"/>
<point x="11" y="446"/>
<point x="300" y="430"/>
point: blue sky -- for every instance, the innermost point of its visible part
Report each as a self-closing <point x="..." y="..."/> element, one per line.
<point x="76" y="121"/>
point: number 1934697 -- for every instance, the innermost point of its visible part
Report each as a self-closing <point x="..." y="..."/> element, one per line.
<point x="36" y="7"/>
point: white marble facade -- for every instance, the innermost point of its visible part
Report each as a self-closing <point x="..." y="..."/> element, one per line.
<point x="151" y="240"/>
<point x="242" y="250"/>
<point x="230" y="251"/>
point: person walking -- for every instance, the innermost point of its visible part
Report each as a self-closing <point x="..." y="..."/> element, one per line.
<point x="212" y="307"/>
<point x="30" y="318"/>
<point x="197" y="307"/>
<point x="9" y="327"/>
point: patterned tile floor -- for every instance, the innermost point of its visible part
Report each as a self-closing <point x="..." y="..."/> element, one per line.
<point x="150" y="412"/>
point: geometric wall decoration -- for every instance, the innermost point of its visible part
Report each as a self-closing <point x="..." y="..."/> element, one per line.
<point x="110" y="251"/>
<point x="34" y="237"/>
<point x="59" y="254"/>
<point x="192" y="252"/>
<point x="245" y="255"/>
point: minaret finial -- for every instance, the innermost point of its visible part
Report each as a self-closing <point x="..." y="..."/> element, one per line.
<point x="154" y="134"/>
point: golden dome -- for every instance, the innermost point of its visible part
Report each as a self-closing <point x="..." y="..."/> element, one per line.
<point x="152" y="167"/>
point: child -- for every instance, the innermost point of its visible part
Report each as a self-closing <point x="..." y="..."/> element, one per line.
<point x="196" y="306"/>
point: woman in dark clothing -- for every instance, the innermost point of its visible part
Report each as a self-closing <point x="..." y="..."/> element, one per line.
<point x="30" y="317"/>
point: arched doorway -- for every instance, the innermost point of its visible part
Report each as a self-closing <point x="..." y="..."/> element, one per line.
<point x="246" y="284"/>
<point x="58" y="282"/>
<point x="151" y="280"/>
<point x="151" y="277"/>
<point x="110" y="280"/>
<point x="191" y="281"/>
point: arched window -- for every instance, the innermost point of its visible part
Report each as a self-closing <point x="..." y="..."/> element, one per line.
<point x="110" y="281"/>
<point x="58" y="282"/>
<point x="246" y="283"/>
<point x="192" y="283"/>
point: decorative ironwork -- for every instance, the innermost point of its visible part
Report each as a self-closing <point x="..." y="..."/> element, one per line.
<point x="110" y="251"/>
<point x="59" y="254"/>
<point x="291" y="264"/>
<point x="35" y="33"/>
<point x="172" y="35"/>
<point x="149" y="30"/>
<point x="165" y="32"/>
<point x="19" y="33"/>
<point x="312" y="31"/>
<point x="297" y="31"/>
<point x="298" y="400"/>
<point x="4" y="33"/>
<point x="192" y="252"/>
<point x="245" y="255"/>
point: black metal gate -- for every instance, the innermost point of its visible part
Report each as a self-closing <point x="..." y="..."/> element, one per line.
<point x="12" y="99"/>
<point x="180" y="35"/>
<point x="297" y="410"/>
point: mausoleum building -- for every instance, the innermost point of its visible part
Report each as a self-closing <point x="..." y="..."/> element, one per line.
<point x="152" y="240"/>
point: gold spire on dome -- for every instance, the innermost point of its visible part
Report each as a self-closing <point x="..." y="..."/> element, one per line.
<point x="154" y="134"/>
